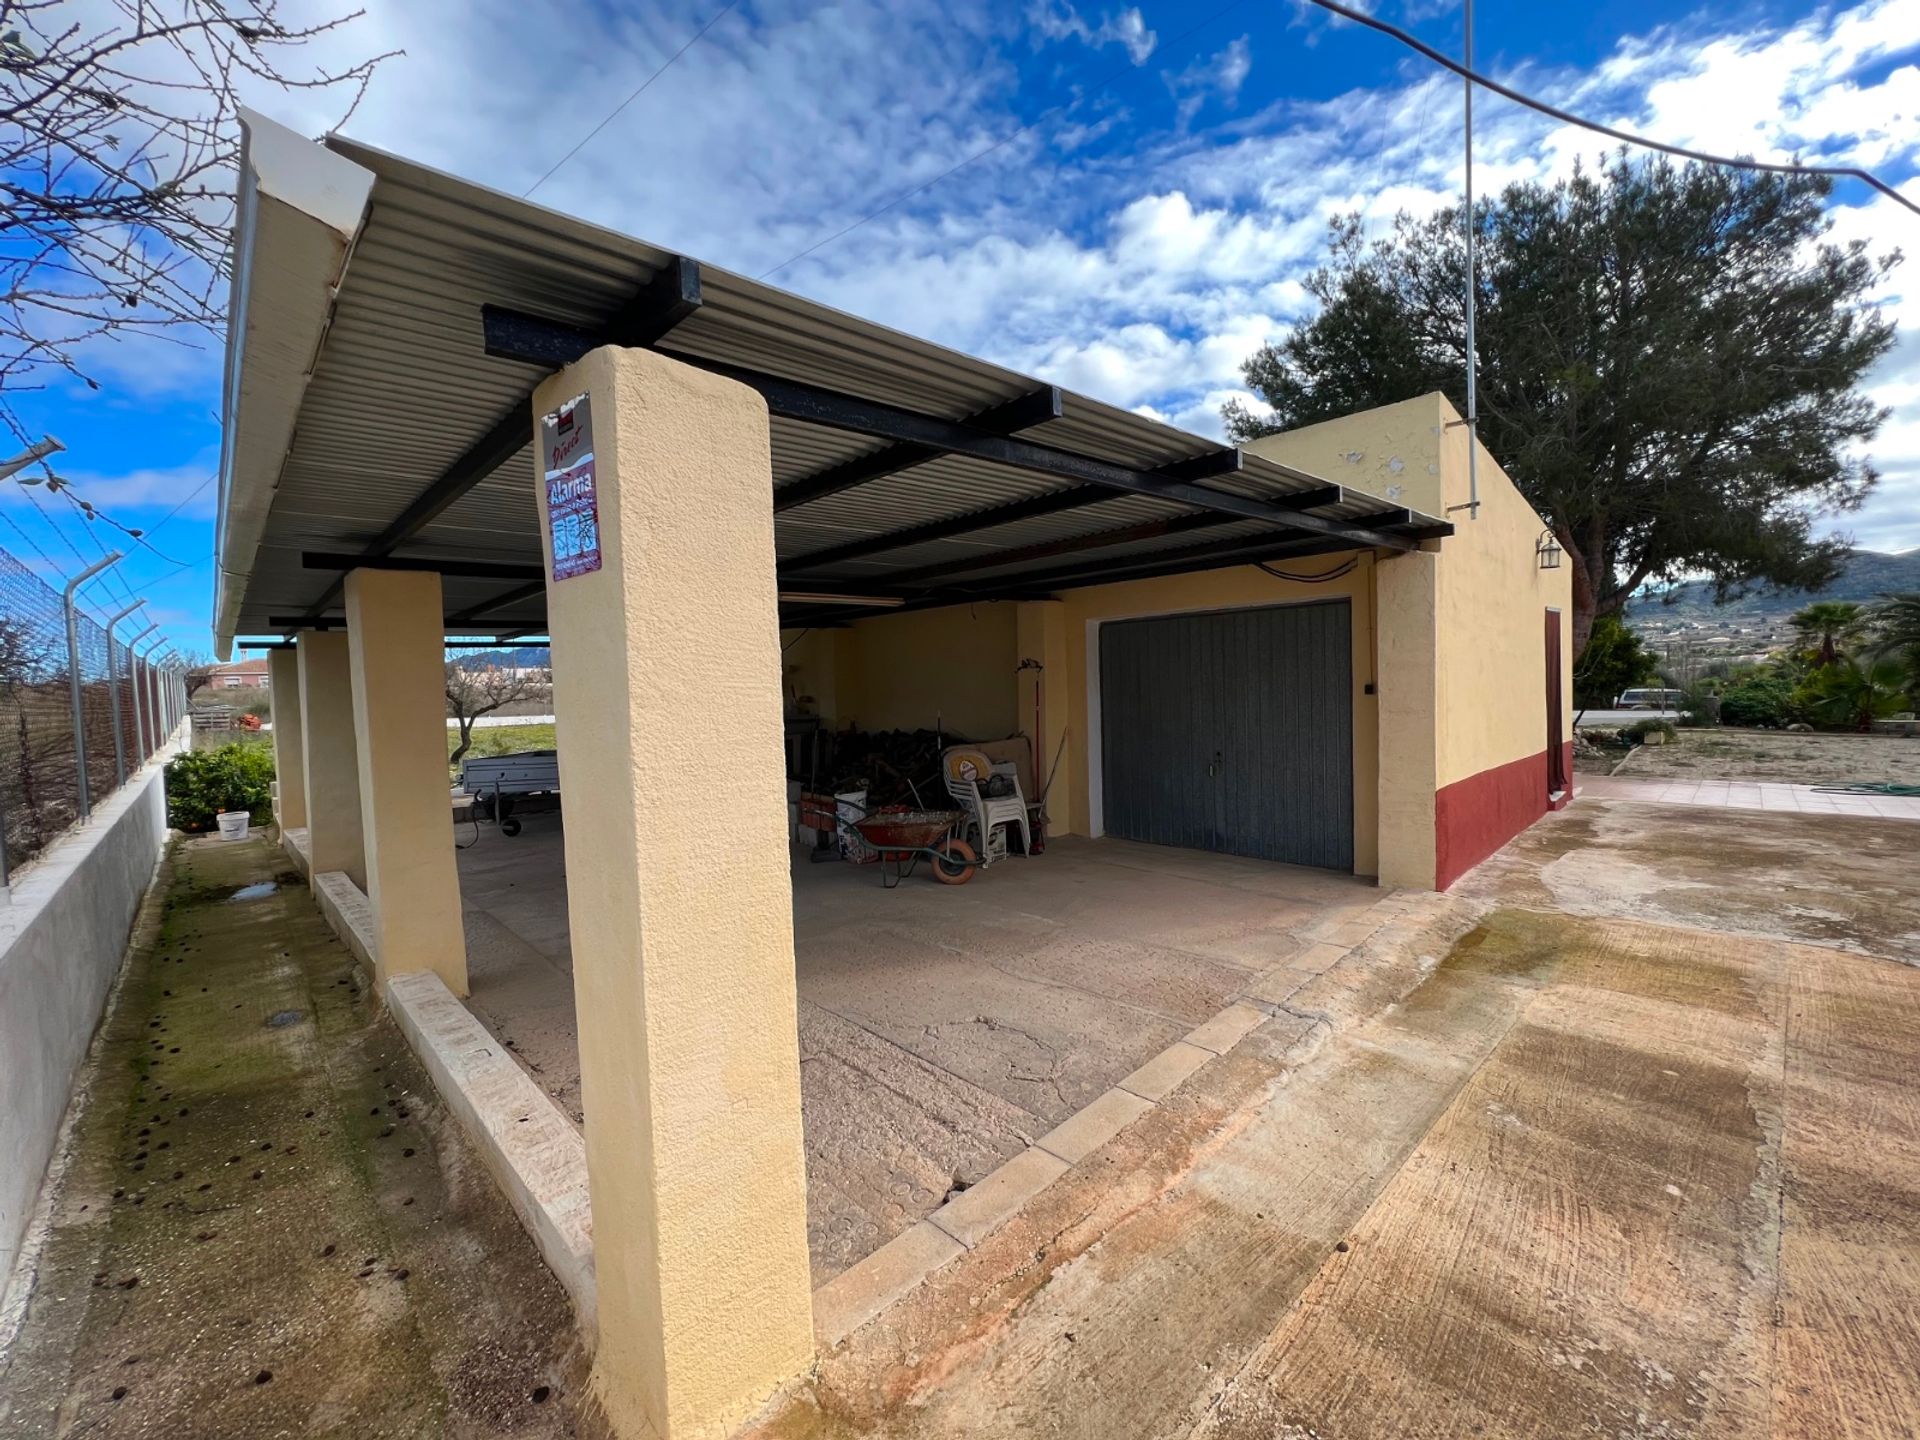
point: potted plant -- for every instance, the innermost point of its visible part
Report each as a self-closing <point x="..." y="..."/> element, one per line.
<point x="228" y="788"/>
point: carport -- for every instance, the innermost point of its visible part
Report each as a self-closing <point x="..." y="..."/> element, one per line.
<point x="453" y="413"/>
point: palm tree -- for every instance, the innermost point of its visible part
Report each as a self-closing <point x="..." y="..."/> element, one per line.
<point x="1826" y="624"/>
<point x="1896" y="631"/>
<point x="1858" y="692"/>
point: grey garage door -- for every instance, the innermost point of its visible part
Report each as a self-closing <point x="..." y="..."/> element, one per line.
<point x="1232" y="731"/>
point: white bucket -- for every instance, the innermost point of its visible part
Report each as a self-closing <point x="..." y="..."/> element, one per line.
<point x="233" y="824"/>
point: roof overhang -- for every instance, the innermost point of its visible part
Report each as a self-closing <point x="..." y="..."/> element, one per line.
<point x="298" y="209"/>
<point x="390" y="323"/>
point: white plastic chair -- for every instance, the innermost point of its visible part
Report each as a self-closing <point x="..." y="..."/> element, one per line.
<point x="965" y="769"/>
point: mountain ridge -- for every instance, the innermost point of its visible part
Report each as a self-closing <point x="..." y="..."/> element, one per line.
<point x="1864" y="577"/>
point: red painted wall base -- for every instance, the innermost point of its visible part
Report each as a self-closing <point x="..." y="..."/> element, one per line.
<point x="1474" y="817"/>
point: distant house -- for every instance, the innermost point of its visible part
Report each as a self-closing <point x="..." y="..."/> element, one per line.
<point x="240" y="675"/>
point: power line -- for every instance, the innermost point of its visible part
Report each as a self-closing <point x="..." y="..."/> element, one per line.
<point x="1000" y="144"/>
<point x="1360" y="17"/>
<point x="194" y="495"/>
<point x="639" y="90"/>
<point x="32" y="544"/>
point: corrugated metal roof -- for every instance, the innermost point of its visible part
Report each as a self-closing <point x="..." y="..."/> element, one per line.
<point x="402" y="388"/>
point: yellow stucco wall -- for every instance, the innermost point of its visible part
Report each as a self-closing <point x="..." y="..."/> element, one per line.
<point x="1491" y="596"/>
<point x="1407" y="644"/>
<point x="1451" y="639"/>
<point x="1491" y="621"/>
<point x="1393" y="451"/>
<point x="952" y="667"/>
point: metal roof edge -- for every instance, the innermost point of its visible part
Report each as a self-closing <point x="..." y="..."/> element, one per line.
<point x="298" y="210"/>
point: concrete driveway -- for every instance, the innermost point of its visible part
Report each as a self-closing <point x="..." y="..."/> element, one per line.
<point x="1624" y="1141"/>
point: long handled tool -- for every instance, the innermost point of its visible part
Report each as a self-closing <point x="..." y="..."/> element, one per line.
<point x="1040" y="830"/>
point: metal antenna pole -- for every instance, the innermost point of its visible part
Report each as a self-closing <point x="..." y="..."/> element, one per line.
<point x="113" y="696"/>
<point x="112" y="557"/>
<point x="1473" y="398"/>
<point x="140" y="726"/>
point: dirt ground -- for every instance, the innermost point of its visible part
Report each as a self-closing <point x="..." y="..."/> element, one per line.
<point x="1781" y="755"/>
<point x="1643" y="1169"/>
<point x="268" y="1224"/>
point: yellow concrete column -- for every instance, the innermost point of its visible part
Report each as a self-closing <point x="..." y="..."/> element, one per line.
<point x="667" y="684"/>
<point x="396" y="638"/>
<point x="1409" y="705"/>
<point x="289" y="757"/>
<point x="332" y="756"/>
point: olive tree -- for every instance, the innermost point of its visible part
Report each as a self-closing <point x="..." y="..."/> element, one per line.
<point x="1670" y="364"/>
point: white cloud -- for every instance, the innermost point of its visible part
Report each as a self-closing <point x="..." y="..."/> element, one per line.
<point x="1058" y="20"/>
<point x="1219" y="75"/>
<point x="1142" y="269"/>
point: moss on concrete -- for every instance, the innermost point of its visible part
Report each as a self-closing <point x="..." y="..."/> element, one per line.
<point x="269" y="1225"/>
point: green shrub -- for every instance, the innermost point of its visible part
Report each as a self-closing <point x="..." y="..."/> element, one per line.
<point x="1614" y="660"/>
<point x="1640" y="729"/>
<point x="1700" y="707"/>
<point x="1761" y="697"/>
<point x="1852" y="692"/>
<point x="202" y="783"/>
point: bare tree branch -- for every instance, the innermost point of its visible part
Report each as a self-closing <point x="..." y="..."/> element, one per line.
<point x="481" y="684"/>
<point x="119" y="143"/>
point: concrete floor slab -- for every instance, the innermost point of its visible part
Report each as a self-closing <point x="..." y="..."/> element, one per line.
<point x="273" y="1224"/>
<point x="942" y="1029"/>
<point x="1831" y="880"/>
<point x="1524" y="1174"/>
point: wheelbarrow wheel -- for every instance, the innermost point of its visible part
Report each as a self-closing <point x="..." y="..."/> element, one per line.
<point x="953" y="861"/>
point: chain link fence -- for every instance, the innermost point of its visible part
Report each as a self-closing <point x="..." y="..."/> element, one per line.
<point x="123" y="708"/>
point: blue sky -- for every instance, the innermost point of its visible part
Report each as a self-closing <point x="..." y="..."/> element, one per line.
<point x="1162" y="182"/>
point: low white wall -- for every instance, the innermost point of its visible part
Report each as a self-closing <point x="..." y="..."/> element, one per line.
<point x="62" y="940"/>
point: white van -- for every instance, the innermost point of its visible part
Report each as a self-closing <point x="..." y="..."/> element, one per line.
<point x="1649" y="700"/>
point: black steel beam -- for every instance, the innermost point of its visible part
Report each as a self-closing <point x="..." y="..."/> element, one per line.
<point x="1047" y="549"/>
<point x="1101" y="539"/>
<point x="1312" y="499"/>
<point x="1205" y="467"/>
<point x="1030" y="584"/>
<point x="1244" y="550"/>
<point x="663" y="302"/>
<point x="499" y="602"/>
<point x="1023" y="412"/>
<point x="1041" y="587"/>
<point x="459" y="569"/>
<point x="1051" y="503"/>
<point x="831" y="481"/>
<point x="814" y="405"/>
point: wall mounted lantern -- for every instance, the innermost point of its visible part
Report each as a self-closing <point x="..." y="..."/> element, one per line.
<point x="1547" y="550"/>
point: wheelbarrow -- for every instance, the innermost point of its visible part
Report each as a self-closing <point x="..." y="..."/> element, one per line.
<point x="904" y="838"/>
